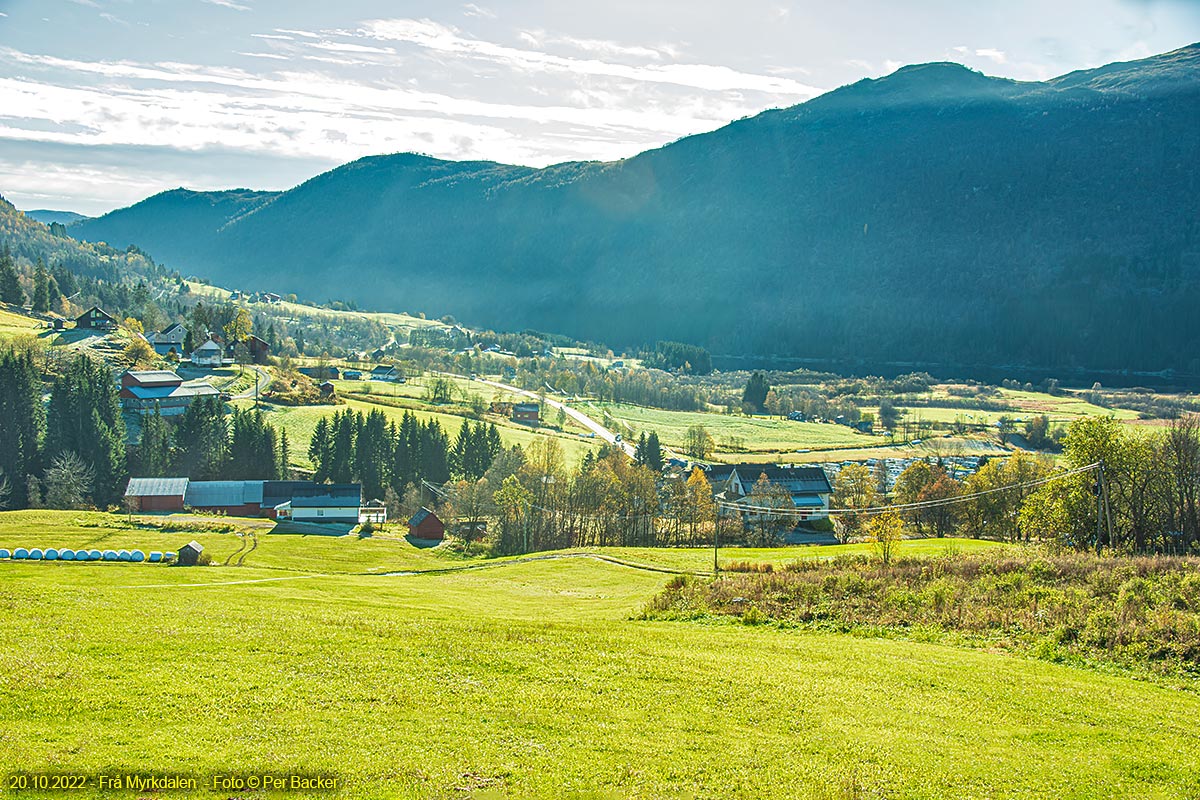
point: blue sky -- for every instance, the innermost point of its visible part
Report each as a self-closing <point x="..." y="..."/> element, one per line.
<point x="103" y="102"/>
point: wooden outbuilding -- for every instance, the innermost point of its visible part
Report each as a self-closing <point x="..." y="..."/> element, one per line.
<point x="189" y="554"/>
<point x="425" y="525"/>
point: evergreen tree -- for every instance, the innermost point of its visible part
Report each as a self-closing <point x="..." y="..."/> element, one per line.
<point x="41" y="288"/>
<point x="23" y="423"/>
<point x="154" y="452"/>
<point x="84" y="418"/>
<point x="653" y="457"/>
<point x="755" y="393"/>
<point x="10" y="285"/>
<point x="253" y="447"/>
<point x="202" y="441"/>
<point x="342" y="436"/>
<point x="406" y="460"/>
<point x="318" y="451"/>
<point x="435" y="446"/>
<point x="373" y="455"/>
<point x="285" y="457"/>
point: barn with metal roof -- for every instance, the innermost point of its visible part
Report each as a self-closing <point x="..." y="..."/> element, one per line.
<point x="156" y="494"/>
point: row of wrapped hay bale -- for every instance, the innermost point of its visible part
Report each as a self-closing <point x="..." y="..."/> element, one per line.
<point x="66" y="554"/>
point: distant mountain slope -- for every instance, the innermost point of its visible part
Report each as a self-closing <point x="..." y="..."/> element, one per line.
<point x="935" y="215"/>
<point x="46" y="216"/>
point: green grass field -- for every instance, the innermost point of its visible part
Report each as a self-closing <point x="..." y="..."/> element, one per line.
<point x="18" y="325"/>
<point x="734" y="435"/>
<point x="530" y="679"/>
<point x="300" y="421"/>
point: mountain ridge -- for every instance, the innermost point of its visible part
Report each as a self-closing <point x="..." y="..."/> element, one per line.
<point x="820" y="230"/>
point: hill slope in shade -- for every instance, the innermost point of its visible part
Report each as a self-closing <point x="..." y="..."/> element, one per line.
<point x="936" y="215"/>
<point x="46" y="216"/>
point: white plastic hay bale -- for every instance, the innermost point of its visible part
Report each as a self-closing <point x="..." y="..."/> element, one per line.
<point x="66" y="555"/>
<point x="5" y="553"/>
<point x="35" y="554"/>
<point x="137" y="555"/>
<point x="155" y="556"/>
<point x="20" y="553"/>
<point x="110" y="555"/>
<point x="124" y="555"/>
<point x="51" y="554"/>
<point x="94" y="555"/>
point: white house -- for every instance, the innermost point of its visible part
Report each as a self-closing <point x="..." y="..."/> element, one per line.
<point x="208" y="354"/>
<point x="339" y="502"/>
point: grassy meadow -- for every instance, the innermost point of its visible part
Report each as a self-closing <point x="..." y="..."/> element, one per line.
<point x="734" y="434"/>
<point x="524" y="679"/>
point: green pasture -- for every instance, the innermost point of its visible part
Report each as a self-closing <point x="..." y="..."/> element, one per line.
<point x="732" y="433"/>
<point x="529" y="679"/>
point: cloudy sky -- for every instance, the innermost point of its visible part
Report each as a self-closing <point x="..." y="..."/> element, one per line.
<point x="103" y="102"/>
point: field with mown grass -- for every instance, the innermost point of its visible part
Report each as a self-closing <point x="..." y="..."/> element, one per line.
<point x="524" y="679"/>
<point x="733" y="434"/>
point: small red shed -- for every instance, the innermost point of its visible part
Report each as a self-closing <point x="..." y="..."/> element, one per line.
<point x="425" y="525"/>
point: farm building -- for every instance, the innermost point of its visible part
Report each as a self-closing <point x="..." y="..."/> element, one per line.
<point x="156" y="494"/>
<point x="374" y="512"/>
<point x="527" y="412"/>
<point x="208" y="354"/>
<point x="322" y="373"/>
<point x="258" y="349"/>
<point x="808" y="487"/>
<point x="233" y="498"/>
<point x="169" y="340"/>
<point x="386" y="373"/>
<point x="320" y="502"/>
<point x="189" y="554"/>
<point x="425" y="525"/>
<point x="143" y="391"/>
<point x="352" y="375"/>
<point x="96" y="319"/>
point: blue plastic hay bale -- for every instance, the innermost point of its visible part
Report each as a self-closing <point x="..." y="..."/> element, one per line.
<point x="20" y="553"/>
<point x="137" y="555"/>
<point x="5" y="554"/>
<point x="35" y="554"/>
<point x="124" y="555"/>
<point x="66" y="555"/>
<point x="110" y="555"/>
<point x="94" y="555"/>
<point x="170" y="556"/>
<point x="155" y="557"/>
<point x="51" y="554"/>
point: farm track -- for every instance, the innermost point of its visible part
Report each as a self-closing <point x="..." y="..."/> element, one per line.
<point x="253" y="547"/>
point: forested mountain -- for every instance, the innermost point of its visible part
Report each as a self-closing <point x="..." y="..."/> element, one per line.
<point x="935" y="215"/>
<point x="46" y="216"/>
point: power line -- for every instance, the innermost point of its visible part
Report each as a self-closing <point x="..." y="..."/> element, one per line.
<point x="872" y="510"/>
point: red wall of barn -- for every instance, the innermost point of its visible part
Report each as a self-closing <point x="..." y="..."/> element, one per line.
<point x="166" y="503"/>
<point x="429" y="528"/>
<point x="246" y="510"/>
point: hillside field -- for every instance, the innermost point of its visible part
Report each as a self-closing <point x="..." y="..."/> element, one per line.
<point x="523" y="679"/>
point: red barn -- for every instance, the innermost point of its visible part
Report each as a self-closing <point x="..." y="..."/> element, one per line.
<point x="425" y="525"/>
<point x="156" y="494"/>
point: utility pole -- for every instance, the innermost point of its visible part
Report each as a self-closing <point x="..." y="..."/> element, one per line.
<point x="1099" y="505"/>
<point x="716" y="536"/>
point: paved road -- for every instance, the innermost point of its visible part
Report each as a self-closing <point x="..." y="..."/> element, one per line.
<point x="583" y="419"/>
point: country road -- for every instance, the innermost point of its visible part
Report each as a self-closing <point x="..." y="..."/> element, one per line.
<point x="583" y="419"/>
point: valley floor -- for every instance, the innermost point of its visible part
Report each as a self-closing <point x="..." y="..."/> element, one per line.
<point x="527" y="678"/>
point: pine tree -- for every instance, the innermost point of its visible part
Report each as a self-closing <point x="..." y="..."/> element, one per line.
<point x="285" y="457"/>
<point x="653" y="457"/>
<point x="435" y="446"/>
<point x="84" y="418"/>
<point x="318" y="451"/>
<point x="41" y="288"/>
<point x="373" y="455"/>
<point x="24" y="421"/>
<point x="202" y="441"/>
<point x="154" y="452"/>
<point x="406" y="460"/>
<point x="10" y="284"/>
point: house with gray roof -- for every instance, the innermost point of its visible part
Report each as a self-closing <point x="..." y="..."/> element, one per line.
<point x="144" y="390"/>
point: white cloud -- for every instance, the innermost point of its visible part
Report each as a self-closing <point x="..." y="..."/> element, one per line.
<point x="472" y="10"/>
<point x="997" y="56"/>
<point x="228" y="4"/>
<point x="272" y="36"/>
<point x="274" y="56"/>
<point x="305" y="34"/>
<point x="439" y="38"/>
